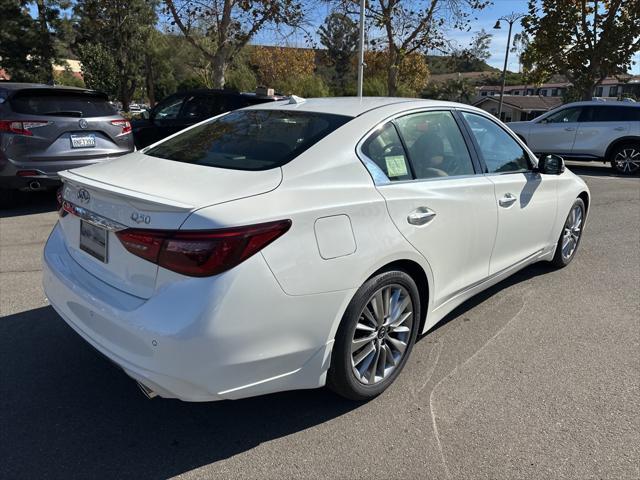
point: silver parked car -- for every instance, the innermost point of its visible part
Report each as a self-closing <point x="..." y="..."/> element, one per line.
<point x="596" y="130"/>
<point x="45" y="129"/>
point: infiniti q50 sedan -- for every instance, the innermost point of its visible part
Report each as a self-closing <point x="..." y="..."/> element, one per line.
<point x="300" y="243"/>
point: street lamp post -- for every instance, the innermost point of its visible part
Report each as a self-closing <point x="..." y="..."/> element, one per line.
<point x="510" y="19"/>
<point x="361" y="49"/>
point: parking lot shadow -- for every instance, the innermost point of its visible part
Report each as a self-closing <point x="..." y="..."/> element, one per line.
<point x="30" y="203"/>
<point x="596" y="169"/>
<point x="68" y="413"/>
<point x="527" y="273"/>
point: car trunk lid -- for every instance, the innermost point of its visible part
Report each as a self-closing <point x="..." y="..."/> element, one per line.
<point x="137" y="191"/>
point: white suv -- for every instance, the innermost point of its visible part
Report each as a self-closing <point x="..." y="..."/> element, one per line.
<point x="605" y="131"/>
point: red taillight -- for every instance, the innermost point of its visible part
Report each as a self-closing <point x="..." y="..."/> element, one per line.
<point x="201" y="253"/>
<point x="62" y="211"/>
<point x="123" y="124"/>
<point x="28" y="173"/>
<point x="21" y="128"/>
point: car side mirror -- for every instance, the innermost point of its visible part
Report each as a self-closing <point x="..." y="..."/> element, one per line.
<point x="550" y="164"/>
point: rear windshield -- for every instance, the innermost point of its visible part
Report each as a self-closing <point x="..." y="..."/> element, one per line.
<point x="68" y="105"/>
<point x="249" y="139"/>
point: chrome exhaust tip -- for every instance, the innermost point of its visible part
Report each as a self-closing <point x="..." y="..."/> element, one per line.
<point x="34" y="185"/>
<point x="147" y="391"/>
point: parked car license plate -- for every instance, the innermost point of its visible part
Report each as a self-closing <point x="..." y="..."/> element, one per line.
<point x="83" y="141"/>
<point x="93" y="240"/>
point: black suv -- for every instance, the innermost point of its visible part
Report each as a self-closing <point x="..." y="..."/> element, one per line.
<point x="184" y="109"/>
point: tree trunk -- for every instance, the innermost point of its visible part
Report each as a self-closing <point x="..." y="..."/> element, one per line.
<point x="587" y="90"/>
<point x="151" y="94"/>
<point x="127" y="89"/>
<point x="392" y="73"/>
<point x="45" y="47"/>
<point x="219" y="66"/>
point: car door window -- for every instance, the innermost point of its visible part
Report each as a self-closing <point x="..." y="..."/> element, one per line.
<point x="608" y="114"/>
<point x="566" y="115"/>
<point x="385" y="155"/>
<point x="200" y="107"/>
<point x="435" y="145"/>
<point x="169" y="109"/>
<point x="500" y="152"/>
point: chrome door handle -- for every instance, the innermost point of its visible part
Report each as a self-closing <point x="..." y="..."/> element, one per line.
<point x="421" y="216"/>
<point x="569" y="129"/>
<point x="508" y="200"/>
<point x="619" y="129"/>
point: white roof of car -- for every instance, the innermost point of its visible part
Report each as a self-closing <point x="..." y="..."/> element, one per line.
<point x="350" y="106"/>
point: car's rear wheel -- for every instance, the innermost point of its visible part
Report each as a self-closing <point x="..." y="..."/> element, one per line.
<point x="376" y="336"/>
<point x="625" y="159"/>
<point x="571" y="234"/>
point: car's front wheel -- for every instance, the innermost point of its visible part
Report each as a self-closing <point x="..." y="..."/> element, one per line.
<point x="375" y="337"/>
<point x="625" y="159"/>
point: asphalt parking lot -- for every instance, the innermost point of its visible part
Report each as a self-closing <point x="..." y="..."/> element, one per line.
<point x="539" y="377"/>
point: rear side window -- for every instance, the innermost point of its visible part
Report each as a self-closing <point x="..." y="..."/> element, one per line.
<point x="62" y="104"/>
<point x="249" y="139"/>
<point x="168" y="109"/>
<point x="384" y="148"/>
<point x="613" y="114"/>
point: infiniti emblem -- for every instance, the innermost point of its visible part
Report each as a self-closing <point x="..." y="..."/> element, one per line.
<point x="82" y="123"/>
<point x="83" y="195"/>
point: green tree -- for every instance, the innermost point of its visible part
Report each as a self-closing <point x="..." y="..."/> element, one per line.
<point x="586" y="41"/>
<point x="29" y="46"/>
<point x="49" y="22"/>
<point x="159" y="78"/>
<point x="339" y="35"/>
<point x="118" y="29"/>
<point x="240" y="75"/>
<point x="405" y="27"/>
<point x="99" y="68"/>
<point x="454" y="90"/>
<point x="473" y="57"/>
<point x="66" y="77"/>
<point x="220" y="29"/>
<point x="17" y="41"/>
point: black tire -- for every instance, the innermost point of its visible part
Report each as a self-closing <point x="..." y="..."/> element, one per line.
<point x="341" y="377"/>
<point x="560" y="258"/>
<point x="625" y="158"/>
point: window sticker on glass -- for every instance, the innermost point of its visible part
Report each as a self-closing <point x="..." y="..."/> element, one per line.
<point x="396" y="166"/>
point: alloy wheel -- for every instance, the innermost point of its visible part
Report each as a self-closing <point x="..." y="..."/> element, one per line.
<point x="572" y="232"/>
<point x="627" y="160"/>
<point x="382" y="334"/>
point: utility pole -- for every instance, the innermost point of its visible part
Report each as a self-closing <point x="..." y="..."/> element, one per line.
<point x="361" y="49"/>
<point x="510" y="19"/>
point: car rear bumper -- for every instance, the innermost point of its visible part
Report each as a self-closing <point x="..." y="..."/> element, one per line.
<point x="45" y="173"/>
<point x="230" y="336"/>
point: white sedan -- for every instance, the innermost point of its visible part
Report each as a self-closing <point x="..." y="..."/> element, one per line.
<point x="300" y="243"/>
